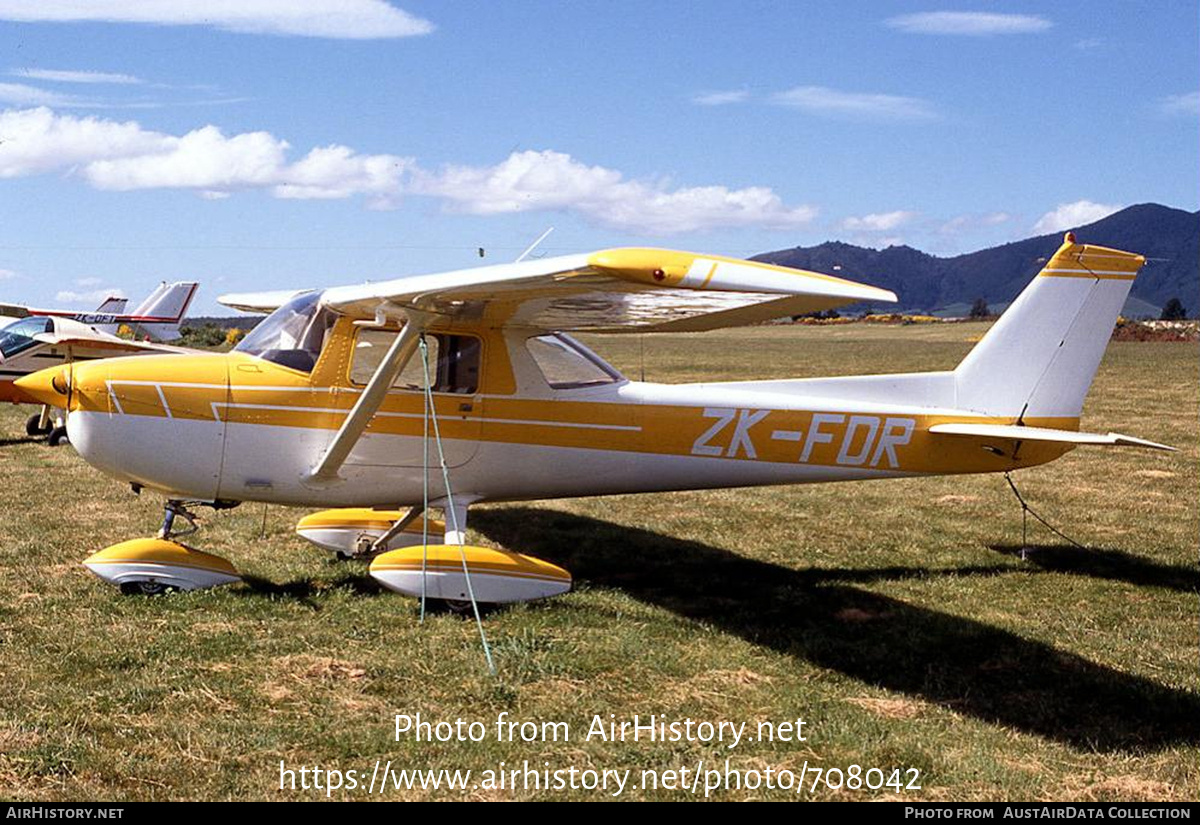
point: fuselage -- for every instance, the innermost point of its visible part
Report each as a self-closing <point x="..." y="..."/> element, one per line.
<point x="513" y="421"/>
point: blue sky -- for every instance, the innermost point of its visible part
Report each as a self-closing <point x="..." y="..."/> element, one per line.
<point x="249" y="145"/>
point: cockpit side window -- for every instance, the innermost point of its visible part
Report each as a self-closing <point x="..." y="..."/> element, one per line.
<point x="293" y="335"/>
<point x="18" y="337"/>
<point x="454" y="361"/>
<point x="567" y="365"/>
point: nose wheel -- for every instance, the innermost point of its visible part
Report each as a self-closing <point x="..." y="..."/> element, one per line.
<point x="46" y="423"/>
<point x="39" y="423"/>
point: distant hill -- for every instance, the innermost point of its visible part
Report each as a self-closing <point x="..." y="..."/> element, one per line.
<point x="1171" y="237"/>
<point x="243" y="322"/>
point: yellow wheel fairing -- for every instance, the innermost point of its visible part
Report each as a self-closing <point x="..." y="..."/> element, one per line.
<point x="365" y="518"/>
<point x="162" y="562"/>
<point x="496" y="576"/>
<point x="345" y="530"/>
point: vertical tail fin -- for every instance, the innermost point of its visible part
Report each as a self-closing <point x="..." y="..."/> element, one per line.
<point x="1039" y="359"/>
<point x="159" y="315"/>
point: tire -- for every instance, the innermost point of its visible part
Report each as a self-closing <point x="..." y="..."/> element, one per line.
<point x="144" y="588"/>
<point x="58" y="435"/>
<point x="32" y="427"/>
<point x="461" y="607"/>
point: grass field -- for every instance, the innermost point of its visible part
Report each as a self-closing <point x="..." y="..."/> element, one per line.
<point x="895" y="617"/>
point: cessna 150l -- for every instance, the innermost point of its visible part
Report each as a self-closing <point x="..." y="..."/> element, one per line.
<point x="40" y="338"/>
<point x="112" y="305"/>
<point x="350" y="396"/>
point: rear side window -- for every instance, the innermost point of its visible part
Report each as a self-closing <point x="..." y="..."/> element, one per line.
<point x="453" y="361"/>
<point x="567" y="366"/>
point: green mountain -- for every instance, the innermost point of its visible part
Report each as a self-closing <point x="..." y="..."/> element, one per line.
<point x="1169" y="238"/>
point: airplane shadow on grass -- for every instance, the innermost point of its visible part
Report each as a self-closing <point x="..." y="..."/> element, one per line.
<point x="30" y="439"/>
<point x="306" y="590"/>
<point x="817" y="616"/>
<point x="1101" y="563"/>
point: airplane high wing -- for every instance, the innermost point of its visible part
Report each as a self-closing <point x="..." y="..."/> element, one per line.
<point x="615" y="290"/>
<point x="263" y="302"/>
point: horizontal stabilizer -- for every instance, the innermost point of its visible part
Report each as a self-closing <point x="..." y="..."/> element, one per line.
<point x="1018" y="433"/>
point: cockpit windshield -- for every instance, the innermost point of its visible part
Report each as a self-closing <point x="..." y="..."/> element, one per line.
<point x="18" y="337"/>
<point x="293" y="335"/>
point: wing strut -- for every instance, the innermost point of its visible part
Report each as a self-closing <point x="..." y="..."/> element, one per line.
<point x="397" y="357"/>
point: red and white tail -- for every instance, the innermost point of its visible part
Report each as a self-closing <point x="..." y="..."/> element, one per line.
<point x="159" y="315"/>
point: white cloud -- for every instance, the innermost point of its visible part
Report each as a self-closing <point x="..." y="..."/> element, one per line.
<point x="337" y="172"/>
<point x="202" y="159"/>
<point x="345" y="19"/>
<point x="35" y="141"/>
<point x="9" y="274"/>
<point x="970" y="23"/>
<point x="877" y="222"/>
<point x="123" y="157"/>
<point x="822" y="100"/>
<point x="22" y="95"/>
<point x="95" y="296"/>
<point x="553" y="181"/>
<point x="1071" y="215"/>
<point x="64" y="76"/>
<point x="720" y="98"/>
<point x="1185" y="104"/>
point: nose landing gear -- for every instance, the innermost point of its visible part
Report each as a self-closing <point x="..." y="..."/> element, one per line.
<point x="47" y="424"/>
<point x="160" y="564"/>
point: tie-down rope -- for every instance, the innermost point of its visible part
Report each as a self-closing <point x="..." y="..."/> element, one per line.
<point x="431" y="418"/>
<point x="1027" y="511"/>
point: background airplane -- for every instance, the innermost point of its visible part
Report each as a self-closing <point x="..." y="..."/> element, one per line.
<point x="157" y="317"/>
<point x="110" y="305"/>
<point x="35" y="339"/>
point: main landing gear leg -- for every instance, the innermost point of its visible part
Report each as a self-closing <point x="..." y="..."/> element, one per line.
<point x="380" y="544"/>
<point x="171" y="510"/>
<point x="152" y="566"/>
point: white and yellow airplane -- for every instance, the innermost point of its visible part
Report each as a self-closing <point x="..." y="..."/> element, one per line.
<point x="37" y="339"/>
<point x="441" y="391"/>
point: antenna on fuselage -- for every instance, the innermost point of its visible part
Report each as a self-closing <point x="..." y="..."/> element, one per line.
<point x="533" y="245"/>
